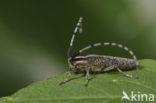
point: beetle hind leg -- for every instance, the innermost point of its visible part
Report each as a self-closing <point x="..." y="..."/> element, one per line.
<point x="87" y="77"/>
<point x="108" y="68"/>
<point x="127" y="75"/>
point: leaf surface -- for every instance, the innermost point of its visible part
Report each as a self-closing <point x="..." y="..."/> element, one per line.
<point x="102" y="88"/>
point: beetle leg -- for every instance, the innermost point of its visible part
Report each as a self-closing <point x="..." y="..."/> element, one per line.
<point x="127" y="75"/>
<point x="87" y="77"/>
<point x="109" y="68"/>
<point x="67" y="78"/>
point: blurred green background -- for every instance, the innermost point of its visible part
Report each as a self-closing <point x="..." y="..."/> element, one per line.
<point x="35" y="35"/>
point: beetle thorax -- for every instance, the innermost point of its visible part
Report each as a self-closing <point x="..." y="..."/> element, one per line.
<point x="78" y="62"/>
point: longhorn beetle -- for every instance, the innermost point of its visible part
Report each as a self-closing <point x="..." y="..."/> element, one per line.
<point x="98" y="63"/>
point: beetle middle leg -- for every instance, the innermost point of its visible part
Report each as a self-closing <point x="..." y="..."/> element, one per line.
<point x="127" y="75"/>
<point x="87" y="77"/>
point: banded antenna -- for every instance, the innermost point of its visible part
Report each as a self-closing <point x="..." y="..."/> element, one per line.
<point x="78" y="27"/>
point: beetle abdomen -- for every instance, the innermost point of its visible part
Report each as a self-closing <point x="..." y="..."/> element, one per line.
<point x="100" y="62"/>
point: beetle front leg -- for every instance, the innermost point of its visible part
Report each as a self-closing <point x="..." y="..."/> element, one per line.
<point x="87" y="77"/>
<point x="67" y="78"/>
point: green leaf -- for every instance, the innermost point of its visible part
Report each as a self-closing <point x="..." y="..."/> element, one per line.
<point x="103" y="88"/>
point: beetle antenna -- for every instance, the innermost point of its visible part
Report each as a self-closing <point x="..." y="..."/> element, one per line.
<point x="78" y="27"/>
<point x="109" y="44"/>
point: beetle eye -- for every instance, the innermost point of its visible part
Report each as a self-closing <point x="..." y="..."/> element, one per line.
<point x="71" y="61"/>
